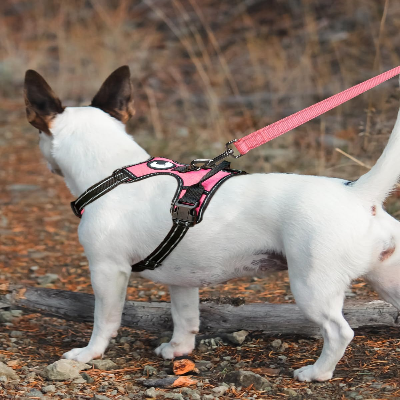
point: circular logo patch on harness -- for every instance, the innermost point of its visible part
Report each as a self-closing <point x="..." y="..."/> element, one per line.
<point x="160" y="164"/>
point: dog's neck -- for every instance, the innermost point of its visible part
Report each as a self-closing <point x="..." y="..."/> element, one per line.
<point x="89" y="145"/>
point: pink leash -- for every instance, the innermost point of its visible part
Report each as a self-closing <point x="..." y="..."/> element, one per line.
<point x="264" y="135"/>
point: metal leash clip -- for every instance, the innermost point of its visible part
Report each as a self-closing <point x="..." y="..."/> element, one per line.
<point x="208" y="163"/>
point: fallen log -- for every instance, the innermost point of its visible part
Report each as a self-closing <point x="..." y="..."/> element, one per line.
<point x="271" y="318"/>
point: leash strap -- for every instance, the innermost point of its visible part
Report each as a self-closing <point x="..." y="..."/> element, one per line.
<point x="264" y="135"/>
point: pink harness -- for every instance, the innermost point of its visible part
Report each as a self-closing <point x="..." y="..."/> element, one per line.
<point x="196" y="186"/>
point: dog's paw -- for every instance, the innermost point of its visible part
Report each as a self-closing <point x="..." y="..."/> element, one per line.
<point x="310" y="373"/>
<point x="84" y="354"/>
<point x="171" y="350"/>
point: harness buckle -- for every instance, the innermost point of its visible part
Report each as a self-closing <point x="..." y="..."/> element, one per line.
<point x="184" y="214"/>
<point x="122" y="175"/>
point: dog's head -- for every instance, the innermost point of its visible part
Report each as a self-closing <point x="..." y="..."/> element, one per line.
<point x="43" y="107"/>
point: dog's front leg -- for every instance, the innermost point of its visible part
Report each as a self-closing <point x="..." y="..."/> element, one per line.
<point x="109" y="285"/>
<point x="185" y="314"/>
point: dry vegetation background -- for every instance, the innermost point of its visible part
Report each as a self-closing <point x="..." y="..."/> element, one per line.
<point x="205" y="72"/>
<point x="209" y="71"/>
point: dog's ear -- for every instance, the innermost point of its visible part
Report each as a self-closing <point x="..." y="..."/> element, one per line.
<point x="42" y="104"/>
<point x="115" y="96"/>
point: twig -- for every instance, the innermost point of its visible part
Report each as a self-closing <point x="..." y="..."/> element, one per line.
<point x="352" y="158"/>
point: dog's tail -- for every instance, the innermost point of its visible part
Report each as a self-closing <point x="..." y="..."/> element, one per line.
<point x="378" y="183"/>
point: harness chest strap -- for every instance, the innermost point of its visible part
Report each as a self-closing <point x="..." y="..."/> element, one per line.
<point x="194" y="192"/>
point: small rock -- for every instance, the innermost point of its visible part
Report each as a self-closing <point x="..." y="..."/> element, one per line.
<point x="87" y="377"/>
<point x="204" y="365"/>
<point x="202" y="348"/>
<point x="149" y="370"/>
<point x="308" y="391"/>
<point x="282" y="358"/>
<point x="190" y="393"/>
<point x="31" y="376"/>
<point x="48" y="389"/>
<point x="237" y="337"/>
<point x="290" y="392"/>
<point x="47" y="279"/>
<point x="176" y="396"/>
<point x="16" y="313"/>
<point x="16" y="334"/>
<point x="283" y="347"/>
<point x="35" y="393"/>
<point x="8" y="372"/>
<point x="125" y="339"/>
<point x="138" y="344"/>
<point x="63" y="370"/>
<point x="276" y="343"/>
<point x="6" y="316"/>
<point x="79" y="380"/>
<point x="104" y="365"/>
<point x="220" y="390"/>
<point x="208" y="397"/>
<point x="100" y="397"/>
<point x="376" y="385"/>
<point x="247" y="378"/>
<point x="151" y="392"/>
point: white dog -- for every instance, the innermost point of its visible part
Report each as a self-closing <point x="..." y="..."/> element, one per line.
<point x="329" y="231"/>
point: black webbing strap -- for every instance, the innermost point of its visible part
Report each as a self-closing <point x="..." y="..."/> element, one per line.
<point x="183" y="217"/>
<point x="154" y="260"/>
<point x="97" y="190"/>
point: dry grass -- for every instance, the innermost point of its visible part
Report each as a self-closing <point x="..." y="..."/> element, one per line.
<point x="208" y="71"/>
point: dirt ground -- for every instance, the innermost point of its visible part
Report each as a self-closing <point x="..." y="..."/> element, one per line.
<point x="38" y="237"/>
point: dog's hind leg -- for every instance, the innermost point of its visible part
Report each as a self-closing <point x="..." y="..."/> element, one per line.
<point x="385" y="279"/>
<point x="109" y="286"/>
<point x="322" y="303"/>
<point x="185" y="314"/>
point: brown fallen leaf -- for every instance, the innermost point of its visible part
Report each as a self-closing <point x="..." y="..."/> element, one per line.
<point x="184" y="365"/>
<point x="184" y="381"/>
<point x="272" y="371"/>
<point x="170" y="382"/>
<point x="13" y="363"/>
